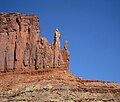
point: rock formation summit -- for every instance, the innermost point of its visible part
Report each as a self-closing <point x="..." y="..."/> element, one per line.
<point x="32" y="70"/>
<point x="22" y="47"/>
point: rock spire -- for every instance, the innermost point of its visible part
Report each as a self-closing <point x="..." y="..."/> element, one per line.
<point x="57" y="39"/>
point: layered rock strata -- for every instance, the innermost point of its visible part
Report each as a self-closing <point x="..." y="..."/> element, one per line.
<point x="55" y="86"/>
<point x="21" y="46"/>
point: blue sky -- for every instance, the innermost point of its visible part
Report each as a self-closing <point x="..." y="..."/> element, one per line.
<point x="92" y="28"/>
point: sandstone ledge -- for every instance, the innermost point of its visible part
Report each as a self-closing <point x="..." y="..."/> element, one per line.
<point x="55" y="86"/>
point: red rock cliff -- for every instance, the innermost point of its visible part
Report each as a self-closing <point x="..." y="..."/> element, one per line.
<point x="21" y="46"/>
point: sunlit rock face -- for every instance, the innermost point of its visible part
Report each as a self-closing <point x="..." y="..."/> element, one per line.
<point x="21" y="46"/>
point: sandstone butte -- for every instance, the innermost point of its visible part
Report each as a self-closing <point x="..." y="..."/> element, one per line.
<point x="32" y="70"/>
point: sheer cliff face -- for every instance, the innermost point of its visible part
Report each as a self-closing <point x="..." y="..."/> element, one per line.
<point x="21" y="46"/>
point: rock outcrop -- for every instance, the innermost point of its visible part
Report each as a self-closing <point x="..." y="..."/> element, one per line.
<point x="21" y="46"/>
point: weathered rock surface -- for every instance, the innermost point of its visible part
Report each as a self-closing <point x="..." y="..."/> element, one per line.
<point x="55" y="86"/>
<point x="48" y="80"/>
<point x="21" y="46"/>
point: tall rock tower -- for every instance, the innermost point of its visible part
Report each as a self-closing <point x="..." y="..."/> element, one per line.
<point x="57" y="39"/>
<point x="56" y="48"/>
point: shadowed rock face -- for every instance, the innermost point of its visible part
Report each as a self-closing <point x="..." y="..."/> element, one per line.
<point x="21" y="46"/>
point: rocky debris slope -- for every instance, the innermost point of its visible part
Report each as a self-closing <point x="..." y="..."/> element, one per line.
<point x="21" y="46"/>
<point x="55" y="86"/>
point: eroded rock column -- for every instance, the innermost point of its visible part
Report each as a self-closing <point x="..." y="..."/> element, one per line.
<point x="56" y="62"/>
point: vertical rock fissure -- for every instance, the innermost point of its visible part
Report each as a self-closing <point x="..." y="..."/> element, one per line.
<point x="36" y="67"/>
<point x="29" y="33"/>
<point x="54" y="59"/>
<point x="15" y="59"/>
<point x="5" y="61"/>
<point x="44" y="57"/>
<point x="15" y="47"/>
<point x="18" y="22"/>
<point x="35" y="58"/>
